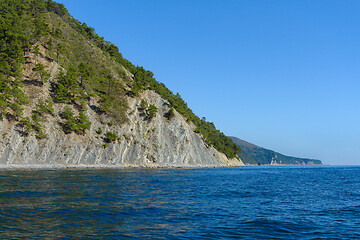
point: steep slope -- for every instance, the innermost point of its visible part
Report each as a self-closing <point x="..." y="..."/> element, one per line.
<point x="252" y="154"/>
<point x="69" y="98"/>
<point x="140" y="143"/>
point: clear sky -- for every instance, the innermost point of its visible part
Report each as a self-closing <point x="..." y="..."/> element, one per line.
<point x="284" y="75"/>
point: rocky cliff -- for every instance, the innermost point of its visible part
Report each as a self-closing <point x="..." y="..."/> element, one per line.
<point x="69" y="98"/>
<point x="158" y="142"/>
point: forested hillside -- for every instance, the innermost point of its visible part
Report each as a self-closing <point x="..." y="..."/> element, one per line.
<point x="34" y="33"/>
<point x="255" y="155"/>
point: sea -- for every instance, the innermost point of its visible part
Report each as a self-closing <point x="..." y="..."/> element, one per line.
<point x="262" y="202"/>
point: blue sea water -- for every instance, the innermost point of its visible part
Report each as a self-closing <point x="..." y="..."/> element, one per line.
<point x="245" y="203"/>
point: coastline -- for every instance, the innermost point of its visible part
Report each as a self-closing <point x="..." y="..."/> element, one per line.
<point x="105" y="166"/>
<point x="102" y="166"/>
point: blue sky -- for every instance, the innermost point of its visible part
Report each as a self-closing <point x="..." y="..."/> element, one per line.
<point x="280" y="74"/>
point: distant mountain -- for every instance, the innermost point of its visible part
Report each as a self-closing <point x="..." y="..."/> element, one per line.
<point x="255" y="155"/>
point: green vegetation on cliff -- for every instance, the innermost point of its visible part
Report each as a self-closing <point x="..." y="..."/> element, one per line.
<point x="92" y="68"/>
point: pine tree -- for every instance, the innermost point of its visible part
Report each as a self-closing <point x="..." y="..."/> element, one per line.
<point x="82" y="123"/>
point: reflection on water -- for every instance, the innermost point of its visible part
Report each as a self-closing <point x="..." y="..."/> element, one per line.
<point x="252" y="203"/>
<point x="85" y="203"/>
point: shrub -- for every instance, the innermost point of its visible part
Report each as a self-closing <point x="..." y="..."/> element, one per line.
<point x="40" y="133"/>
<point x="110" y="136"/>
<point x="143" y="105"/>
<point x="99" y="131"/>
<point x="151" y="112"/>
<point x="170" y="114"/>
<point x="37" y="119"/>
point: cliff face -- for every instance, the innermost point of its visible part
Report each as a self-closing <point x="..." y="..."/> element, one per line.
<point x="158" y="142"/>
<point x="69" y="98"/>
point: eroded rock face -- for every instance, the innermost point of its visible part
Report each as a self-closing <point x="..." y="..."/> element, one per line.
<point x="158" y="142"/>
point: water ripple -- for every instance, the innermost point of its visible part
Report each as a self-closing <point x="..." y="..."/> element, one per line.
<point x="245" y="203"/>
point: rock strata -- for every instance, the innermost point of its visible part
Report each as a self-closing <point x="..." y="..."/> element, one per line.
<point x="158" y="142"/>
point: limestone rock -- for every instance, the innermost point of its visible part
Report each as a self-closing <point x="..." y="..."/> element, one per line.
<point x="158" y="142"/>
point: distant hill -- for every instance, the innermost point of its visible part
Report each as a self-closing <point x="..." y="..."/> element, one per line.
<point x="255" y="155"/>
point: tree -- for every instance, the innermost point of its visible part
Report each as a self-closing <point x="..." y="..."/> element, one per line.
<point x="59" y="49"/>
<point x="17" y="110"/>
<point x="84" y="74"/>
<point x="46" y="107"/>
<point x="44" y="75"/>
<point x="70" y="124"/>
<point x="67" y="88"/>
<point x="61" y="93"/>
<point x="50" y="106"/>
<point x="3" y="108"/>
<point x="5" y="95"/>
<point x="151" y="112"/>
<point x="56" y="33"/>
<point x="170" y="114"/>
<point x="108" y="82"/>
<point x="36" y="52"/>
<point x="67" y="113"/>
<point x="37" y="120"/>
<point x="82" y="123"/>
<point x="76" y="124"/>
<point x="26" y="123"/>
<point x="49" y="44"/>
